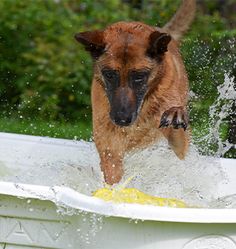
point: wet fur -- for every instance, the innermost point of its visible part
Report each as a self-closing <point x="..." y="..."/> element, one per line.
<point x="128" y="46"/>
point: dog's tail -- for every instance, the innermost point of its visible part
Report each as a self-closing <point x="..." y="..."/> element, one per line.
<point x="182" y="19"/>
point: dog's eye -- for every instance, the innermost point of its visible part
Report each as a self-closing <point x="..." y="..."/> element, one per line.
<point x="110" y="75"/>
<point x="138" y="78"/>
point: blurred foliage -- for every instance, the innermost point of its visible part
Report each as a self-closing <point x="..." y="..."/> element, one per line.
<point x="45" y="74"/>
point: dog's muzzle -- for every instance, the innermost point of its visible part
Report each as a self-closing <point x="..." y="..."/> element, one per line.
<point x="122" y="118"/>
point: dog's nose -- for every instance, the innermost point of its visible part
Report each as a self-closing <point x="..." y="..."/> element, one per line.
<point x="123" y="122"/>
<point x="123" y="119"/>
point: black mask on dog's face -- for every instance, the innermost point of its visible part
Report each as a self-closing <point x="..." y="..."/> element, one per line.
<point x="125" y="98"/>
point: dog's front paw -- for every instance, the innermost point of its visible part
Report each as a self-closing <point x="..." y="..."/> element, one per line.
<point x="175" y="117"/>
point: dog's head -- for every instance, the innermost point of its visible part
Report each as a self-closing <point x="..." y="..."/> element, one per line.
<point x="129" y="60"/>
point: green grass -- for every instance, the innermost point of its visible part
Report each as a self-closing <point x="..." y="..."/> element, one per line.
<point x="76" y="130"/>
<point x="81" y="130"/>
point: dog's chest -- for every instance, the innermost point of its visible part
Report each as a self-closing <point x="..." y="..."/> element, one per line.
<point x="143" y="134"/>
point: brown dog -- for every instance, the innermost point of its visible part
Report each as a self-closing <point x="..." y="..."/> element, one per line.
<point x="139" y="89"/>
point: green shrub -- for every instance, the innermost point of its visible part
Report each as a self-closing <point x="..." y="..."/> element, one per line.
<point x="44" y="73"/>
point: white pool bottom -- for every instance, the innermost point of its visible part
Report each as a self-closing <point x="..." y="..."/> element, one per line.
<point x="33" y="221"/>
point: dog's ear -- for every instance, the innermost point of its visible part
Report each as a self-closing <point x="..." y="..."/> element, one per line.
<point x="92" y="41"/>
<point x="158" y="44"/>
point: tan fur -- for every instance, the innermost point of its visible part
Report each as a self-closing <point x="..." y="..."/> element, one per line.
<point x="181" y="21"/>
<point x="126" y="46"/>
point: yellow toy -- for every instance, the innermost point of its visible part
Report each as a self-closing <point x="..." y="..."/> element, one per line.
<point x="132" y="195"/>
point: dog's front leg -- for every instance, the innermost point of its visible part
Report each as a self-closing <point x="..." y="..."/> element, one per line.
<point x="111" y="165"/>
<point x="173" y="125"/>
<point x="111" y="152"/>
<point x="178" y="140"/>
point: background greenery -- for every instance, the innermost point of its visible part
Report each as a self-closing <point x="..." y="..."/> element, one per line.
<point x="45" y="75"/>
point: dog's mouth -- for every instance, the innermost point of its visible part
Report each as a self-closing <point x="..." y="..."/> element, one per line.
<point x="123" y="119"/>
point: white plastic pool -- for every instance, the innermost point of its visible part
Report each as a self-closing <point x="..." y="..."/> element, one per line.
<point x="29" y="216"/>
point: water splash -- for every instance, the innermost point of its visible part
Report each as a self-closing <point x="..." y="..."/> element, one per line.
<point x="219" y="113"/>
<point x="159" y="172"/>
<point x="228" y="201"/>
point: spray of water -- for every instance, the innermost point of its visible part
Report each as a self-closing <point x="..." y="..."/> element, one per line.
<point x="219" y="114"/>
<point x="159" y="172"/>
